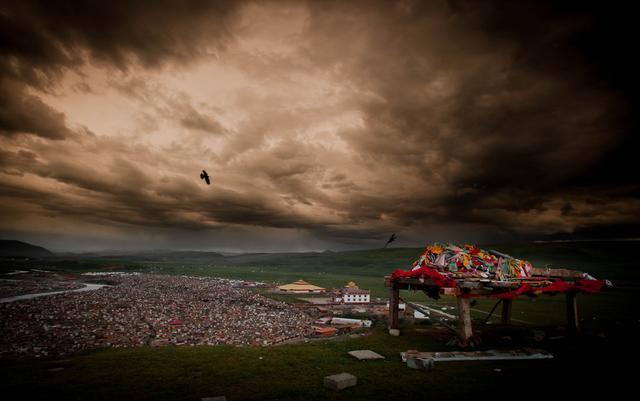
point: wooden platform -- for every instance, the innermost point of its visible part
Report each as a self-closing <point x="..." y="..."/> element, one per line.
<point x="480" y="287"/>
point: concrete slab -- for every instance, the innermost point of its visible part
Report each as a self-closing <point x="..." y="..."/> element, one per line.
<point x="340" y="381"/>
<point x="420" y="363"/>
<point x="365" y="354"/>
<point x="488" y="355"/>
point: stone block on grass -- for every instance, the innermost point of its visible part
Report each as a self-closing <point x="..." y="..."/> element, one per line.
<point x="365" y="354"/>
<point x="420" y="363"/>
<point x="340" y="381"/>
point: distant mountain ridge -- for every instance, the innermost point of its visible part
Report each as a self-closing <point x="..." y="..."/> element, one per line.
<point x="163" y="255"/>
<point x="13" y="248"/>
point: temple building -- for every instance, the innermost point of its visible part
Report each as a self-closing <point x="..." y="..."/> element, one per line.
<point x="351" y="294"/>
<point x="301" y="287"/>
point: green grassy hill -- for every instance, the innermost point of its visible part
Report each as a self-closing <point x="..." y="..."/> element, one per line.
<point x="583" y="368"/>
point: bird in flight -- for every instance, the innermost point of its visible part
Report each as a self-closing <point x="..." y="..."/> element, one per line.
<point x="204" y="176"/>
<point x="390" y="240"/>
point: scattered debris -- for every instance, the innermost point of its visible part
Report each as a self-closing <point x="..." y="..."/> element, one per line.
<point x="414" y="360"/>
<point x="489" y="355"/>
<point x="365" y="354"/>
<point x="324" y="331"/>
<point x="425" y="310"/>
<point x="345" y="321"/>
<point x="420" y="363"/>
<point x="340" y="381"/>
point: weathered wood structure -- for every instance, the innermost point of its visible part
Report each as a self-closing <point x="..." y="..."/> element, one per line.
<point x="470" y="287"/>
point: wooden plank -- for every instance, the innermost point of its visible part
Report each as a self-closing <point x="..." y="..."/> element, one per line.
<point x="488" y="355"/>
<point x="414" y="281"/>
<point x="572" y="313"/>
<point x="507" y="306"/>
<point x="560" y="273"/>
<point x="394" y="300"/>
<point x="465" y="331"/>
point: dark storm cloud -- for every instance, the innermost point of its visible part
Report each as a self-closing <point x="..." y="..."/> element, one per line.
<point x="346" y="120"/>
<point x="493" y="101"/>
<point x="119" y="197"/>
<point x="41" y="37"/>
<point x="40" y="40"/>
<point x="21" y="112"/>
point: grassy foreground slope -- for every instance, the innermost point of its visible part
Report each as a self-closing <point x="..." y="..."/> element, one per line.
<point x="582" y="369"/>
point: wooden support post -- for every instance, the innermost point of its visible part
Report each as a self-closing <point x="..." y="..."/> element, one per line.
<point x="464" y="321"/>
<point x="394" y="301"/>
<point x="507" y="306"/>
<point x="572" y="313"/>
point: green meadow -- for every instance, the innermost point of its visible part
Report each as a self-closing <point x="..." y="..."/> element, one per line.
<point x="584" y="367"/>
<point x="613" y="260"/>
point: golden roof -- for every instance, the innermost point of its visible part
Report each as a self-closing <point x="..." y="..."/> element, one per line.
<point x="300" y="285"/>
<point x="351" y="284"/>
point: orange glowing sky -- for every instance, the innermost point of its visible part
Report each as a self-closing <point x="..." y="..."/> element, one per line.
<point x="322" y="124"/>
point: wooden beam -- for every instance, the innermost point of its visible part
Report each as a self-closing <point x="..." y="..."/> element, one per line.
<point x="507" y="306"/>
<point x="465" y="331"/>
<point x="557" y="273"/>
<point x="394" y="300"/>
<point x="572" y="313"/>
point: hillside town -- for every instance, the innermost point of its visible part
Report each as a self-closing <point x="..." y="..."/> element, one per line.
<point x="133" y="309"/>
<point x="148" y="310"/>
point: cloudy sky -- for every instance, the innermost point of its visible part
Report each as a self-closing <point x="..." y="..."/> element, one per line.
<point x="323" y="125"/>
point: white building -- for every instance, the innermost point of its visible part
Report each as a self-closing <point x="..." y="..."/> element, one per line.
<point x="351" y="294"/>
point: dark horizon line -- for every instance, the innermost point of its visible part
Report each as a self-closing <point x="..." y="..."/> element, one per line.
<point x="117" y="252"/>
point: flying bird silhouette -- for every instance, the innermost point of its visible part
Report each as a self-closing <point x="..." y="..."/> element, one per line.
<point x="204" y="176"/>
<point x="390" y="240"/>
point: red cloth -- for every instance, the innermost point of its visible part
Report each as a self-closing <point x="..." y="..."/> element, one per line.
<point x="558" y="286"/>
<point x="589" y="286"/>
<point x="523" y="289"/>
<point x="426" y="272"/>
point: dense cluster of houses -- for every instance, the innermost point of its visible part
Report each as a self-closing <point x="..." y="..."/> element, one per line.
<point x="148" y="310"/>
<point x="139" y="309"/>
